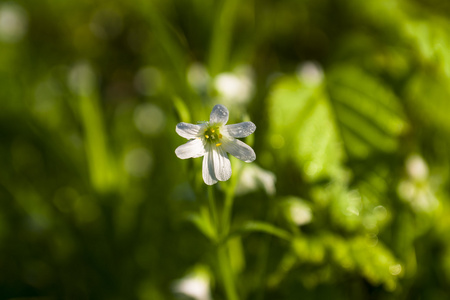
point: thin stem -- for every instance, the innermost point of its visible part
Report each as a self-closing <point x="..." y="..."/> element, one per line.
<point x="265" y="251"/>
<point x="228" y="206"/>
<point x="212" y="207"/>
<point x="222" y="35"/>
<point x="227" y="274"/>
<point x="222" y="253"/>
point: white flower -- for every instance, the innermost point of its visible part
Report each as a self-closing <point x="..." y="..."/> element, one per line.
<point x="310" y="73"/>
<point x="213" y="140"/>
<point x="254" y="177"/>
<point x="13" y="22"/>
<point x="196" y="284"/>
<point x="235" y="88"/>
<point x="297" y="211"/>
<point x="417" y="168"/>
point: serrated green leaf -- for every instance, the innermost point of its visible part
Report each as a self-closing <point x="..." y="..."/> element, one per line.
<point x="302" y="119"/>
<point x="355" y="112"/>
<point x="368" y="113"/>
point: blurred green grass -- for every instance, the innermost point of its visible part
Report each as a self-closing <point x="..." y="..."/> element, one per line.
<point x="350" y="100"/>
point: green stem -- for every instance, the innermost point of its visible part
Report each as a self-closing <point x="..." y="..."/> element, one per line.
<point x="265" y="251"/>
<point x="213" y="208"/>
<point x="222" y="34"/>
<point x="222" y="253"/>
<point x="227" y="273"/>
<point x="98" y="156"/>
<point x="228" y="206"/>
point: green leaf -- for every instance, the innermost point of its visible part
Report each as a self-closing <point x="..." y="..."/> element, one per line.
<point x="368" y="256"/>
<point x="203" y="223"/>
<point x="412" y="26"/>
<point x="303" y="128"/>
<point x="309" y="249"/>
<point x="352" y="114"/>
<point x="368" y="113"/>
<point x="257" y="226"/>
<point x="427" y="96"/>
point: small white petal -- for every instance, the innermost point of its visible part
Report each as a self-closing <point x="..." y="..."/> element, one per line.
<point x="222" y="165"/>
<point x="240" y="130"/>
<point x="239" y="150"/>
<point x="188" y="131"/>
<point x="219" y="114"/>
<point x="192" y="149"/>
<point x="208" y="168"/>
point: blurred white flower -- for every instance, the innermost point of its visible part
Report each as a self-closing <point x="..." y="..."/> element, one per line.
<point x="13" y="22"/>
<point x="253" y="178"/>
<point x="213" y="140"/>
<point x="416" y="167"/>
<point x="149" y="119"/>
<point x="235" y="88"/>
<point x="297" y="211"/>
<point x="195" y="284"/>
<point x="310" y="73"/>
<point x="198" y="76"/>
<point x="82" y="79"/>
<point x="300" y="214"/>
<point x="416" y="188"/>
<point x="419" y="195"/>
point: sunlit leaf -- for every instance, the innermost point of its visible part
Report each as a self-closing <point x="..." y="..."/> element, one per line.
<point x="203" y="223"/>
<point x="257" y="226"/>
<point x="303" y="128"/>
<point x="427" y="94"/>
<point x="369" y="115"/>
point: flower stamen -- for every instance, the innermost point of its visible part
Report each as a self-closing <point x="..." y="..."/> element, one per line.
<point x="212" y="135"/>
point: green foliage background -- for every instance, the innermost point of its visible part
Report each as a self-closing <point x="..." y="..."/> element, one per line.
<point x="351" y="103"/>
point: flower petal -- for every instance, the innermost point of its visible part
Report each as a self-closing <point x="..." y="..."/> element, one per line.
<point x="192" y="149"/>
<point x="240" y="130"/>
<point x="208" y="168"/>
<point x="239" y="150"/>
<point x="222" y="165"/>
<point x="219" y="114"/>
<point x="188" y="131"/>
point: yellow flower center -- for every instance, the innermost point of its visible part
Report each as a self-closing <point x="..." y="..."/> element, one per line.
<point x="213" y="135"/>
